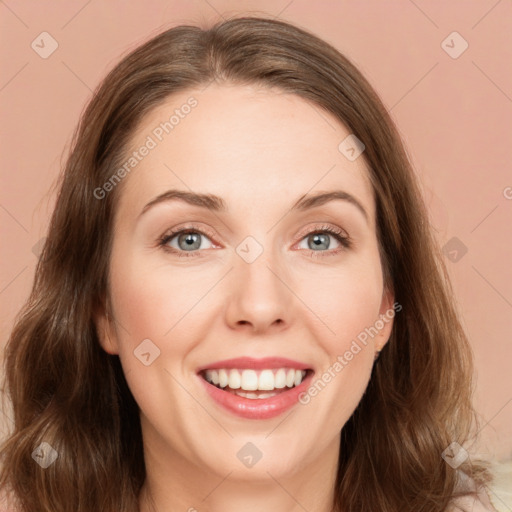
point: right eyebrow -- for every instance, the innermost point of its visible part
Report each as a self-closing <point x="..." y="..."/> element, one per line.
<point x="208" y="201"/>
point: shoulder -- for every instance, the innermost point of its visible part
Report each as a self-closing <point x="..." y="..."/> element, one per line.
<point x="475" y="498"/>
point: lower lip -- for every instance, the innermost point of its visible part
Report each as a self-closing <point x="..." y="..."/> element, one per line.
<point x="257" y="408"/>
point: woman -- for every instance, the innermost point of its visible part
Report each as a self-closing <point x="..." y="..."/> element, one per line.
<point x="239" y="302"/>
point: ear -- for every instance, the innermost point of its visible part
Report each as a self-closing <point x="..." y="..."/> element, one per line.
<point x="105" y="329"/>
<point x="387" y="312"/>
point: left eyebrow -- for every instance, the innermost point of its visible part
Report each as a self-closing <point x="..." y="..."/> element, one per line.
<point x="217" y="204"/>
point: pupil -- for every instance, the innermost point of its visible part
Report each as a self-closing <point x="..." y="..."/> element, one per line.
<point x="192" y="240"/>
<point x="320" y="239"/>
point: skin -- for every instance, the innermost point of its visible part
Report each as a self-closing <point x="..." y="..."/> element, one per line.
<point x="260" y="150"/>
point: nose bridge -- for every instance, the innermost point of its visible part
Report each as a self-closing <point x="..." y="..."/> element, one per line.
<point x="259" y="296"/>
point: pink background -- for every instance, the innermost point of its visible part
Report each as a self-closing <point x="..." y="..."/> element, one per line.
<point x="455" y="115"/>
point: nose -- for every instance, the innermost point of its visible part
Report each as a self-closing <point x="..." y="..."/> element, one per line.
<point x="260" y="299"/>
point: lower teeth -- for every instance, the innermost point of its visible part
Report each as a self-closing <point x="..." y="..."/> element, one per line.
<point x="252" y="394"/>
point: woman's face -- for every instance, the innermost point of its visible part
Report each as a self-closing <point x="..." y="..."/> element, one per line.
<point x="257" y="277"/>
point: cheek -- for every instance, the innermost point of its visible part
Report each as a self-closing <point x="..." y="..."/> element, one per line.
<point x="154" y="301"/>
<point x="346" y="300"/>
<point x="156" y="326"/>
<point x="348" y="306"/>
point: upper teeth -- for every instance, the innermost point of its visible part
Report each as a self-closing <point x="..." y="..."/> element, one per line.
<point x="250" y="380"/>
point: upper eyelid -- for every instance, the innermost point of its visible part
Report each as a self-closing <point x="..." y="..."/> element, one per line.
<point x="321" y="226"/>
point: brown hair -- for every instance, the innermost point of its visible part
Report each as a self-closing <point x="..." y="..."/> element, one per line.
<point x="68" y="392"/>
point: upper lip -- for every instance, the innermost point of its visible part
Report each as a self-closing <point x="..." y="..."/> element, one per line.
<point x="251" y="363"/>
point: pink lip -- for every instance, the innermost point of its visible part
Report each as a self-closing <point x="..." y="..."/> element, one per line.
<point x="257" y="409"/>
<point x="250" y="363"/>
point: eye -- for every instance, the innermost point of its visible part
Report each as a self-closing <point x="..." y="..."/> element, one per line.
<point x="318" y="241"/>
<point x="185" y="242"/>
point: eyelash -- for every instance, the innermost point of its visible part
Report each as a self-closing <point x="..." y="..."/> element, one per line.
<point x="338" y="234"/>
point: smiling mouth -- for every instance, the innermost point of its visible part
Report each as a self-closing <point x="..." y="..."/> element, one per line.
<point x="255" y="384"/>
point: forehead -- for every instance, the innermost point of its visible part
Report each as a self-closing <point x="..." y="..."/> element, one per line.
<point x="247" y="144"/>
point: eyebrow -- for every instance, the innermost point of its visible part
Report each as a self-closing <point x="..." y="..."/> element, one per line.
<point x="215" y="203"/>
